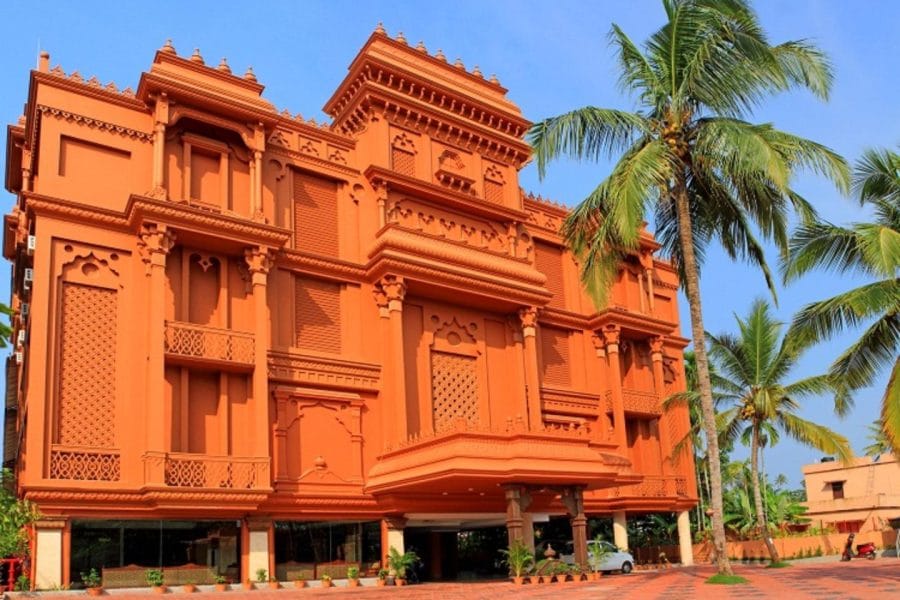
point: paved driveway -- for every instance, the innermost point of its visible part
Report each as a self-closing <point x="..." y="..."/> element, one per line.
<point x="821" y="580"/>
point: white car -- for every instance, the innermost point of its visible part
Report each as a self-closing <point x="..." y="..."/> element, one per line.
<point x="614" y="560"/>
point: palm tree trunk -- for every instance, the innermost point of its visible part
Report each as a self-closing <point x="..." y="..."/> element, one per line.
<point x="757" y="496"/>
<point x="692" y="290"/>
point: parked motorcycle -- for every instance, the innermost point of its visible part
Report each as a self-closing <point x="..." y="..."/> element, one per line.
<point x="866" y="550"/>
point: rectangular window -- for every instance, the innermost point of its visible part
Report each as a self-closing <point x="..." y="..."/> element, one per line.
<point x="548" y="259"/>
<point x="318" y="315"/>
<point x="837" y="489"/>
<point x="555" y="356"/>
<point x="315" y="215"/>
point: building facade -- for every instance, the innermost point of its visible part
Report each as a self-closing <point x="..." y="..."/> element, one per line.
<point x="247" y="341"/>
<point x="856" y="498"/>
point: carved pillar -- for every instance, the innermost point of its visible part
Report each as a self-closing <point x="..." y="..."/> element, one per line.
<point x="611" y="336"/>
<point x="154" y="244"/>
<point x="257" y="147"/>
<point x="685" y="545"/>
<point x="389" y="294"/>
<point x="160" y="119"/>
<point x="573" y="499"/>
<point x="259" y="262"/>
<point x="659" y="384"/>
<point x="528" y="317"/>
<point x="519" y="525"/>
<point x="603" y="429"/>
<point x="279" y="454"/>
<point x="381" y="197"/>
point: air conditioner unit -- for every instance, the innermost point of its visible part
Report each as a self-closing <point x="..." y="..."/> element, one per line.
<point x="19" y="357"/>
<point x="20" y="339"/>
<point x="25" y="310"/>
<point x="29" y="277"/>
<point x="31" y="244"/>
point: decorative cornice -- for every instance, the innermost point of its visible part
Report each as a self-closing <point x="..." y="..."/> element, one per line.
<point x="324" y="372"/>
<point x="564" y="318"/>
<point x="570" y="402"/>
<point x="626" y="319"/>
<point x="319" y="265"/>
<point x="92" y="123"/>
<point x="304" y="160"/>
<point x="91" y="88"/>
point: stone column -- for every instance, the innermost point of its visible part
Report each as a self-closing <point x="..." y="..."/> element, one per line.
<point x="528" y="317"/>
<point x="259" y="262"/>
<point x="659" y="384"/>
<point x="685" y="544"/>
<point x="257" y="147"/>
<point x="258" y="555"/>
<point x="611" y="334"/>
<point x="389" y="294"/>
<point x="603" y="430"/>
<point x="160" y="119"/>
<point x="573" y="499"/>
<point x="392" y="535"/>
<point x="154" y="244"/>
<point x="620" y="530"/>
<point x="48" y="553"/>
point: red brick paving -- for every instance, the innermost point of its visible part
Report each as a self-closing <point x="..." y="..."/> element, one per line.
<point x="838" y="581"/>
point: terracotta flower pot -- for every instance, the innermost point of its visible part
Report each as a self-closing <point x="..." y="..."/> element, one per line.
<point x="300" y="583"/>
<point x="221" y="587"/>
<point x="189" y="588"/>
<point x="399" y="581"/>
<point x="518" y="580"/>
<point x="274" y="585"/>
<point x="159" y="589"/>
<point x="95" y="591"/>
<point x="380" y="582"/>
<point x="353" y="582"/>
<point x="248" y="585"/>
<point x="327" y="583"/>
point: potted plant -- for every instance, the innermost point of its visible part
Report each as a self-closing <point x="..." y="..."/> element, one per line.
<point x="273" y="583"/>
<point x="519" y="559"/>
<point x="399" y="564"/>
<point x="189" y="588"/>
<point x="299" y="583"/>
<point x="382" y="577"/>
<point x="92" y="582"/>
<point x="326" y="580"/>
<point x="353" y="576"/>
<point x="155" y="580"/>
<point x="247" y="585"/>
<point x="597" y="553"/>
<point x="221" y="583"/>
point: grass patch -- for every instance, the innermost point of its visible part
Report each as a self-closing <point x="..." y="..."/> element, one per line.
<point x="720" y="579"/>
<point x="778" y="565"/>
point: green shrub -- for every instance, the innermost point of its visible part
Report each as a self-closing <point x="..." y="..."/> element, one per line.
<point x="154" y="577"/>
<point x="23" y="584"/>
<point x="262" y="575"/>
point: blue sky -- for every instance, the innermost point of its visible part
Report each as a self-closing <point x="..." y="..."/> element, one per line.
<point x="552" y="56"/>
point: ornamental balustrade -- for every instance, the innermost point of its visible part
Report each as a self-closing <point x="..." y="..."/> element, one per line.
<point x="80" y="463"/>
<point x="184" y="470"/>
<point x="202" y="343"/>
<point x="653" y="486"/>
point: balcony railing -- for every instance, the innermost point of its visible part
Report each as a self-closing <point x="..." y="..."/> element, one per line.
<point x="84" y="464"/>
<point x="201" y="344"/>
<point x="653" y="486"/>
<point x="183" y="470"/>
<point x="638" y="402"/>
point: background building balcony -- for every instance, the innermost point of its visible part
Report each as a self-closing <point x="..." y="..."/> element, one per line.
<point x="200" y="345"/>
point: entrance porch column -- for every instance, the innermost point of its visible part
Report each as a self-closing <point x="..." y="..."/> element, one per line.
<point x="257" y="548"/>
<point x="50" y="554"/>
<point x="519" y="524"/>
<point x="684" y="539"/>
<point x="528" y="530"/>
<point x="392" y="536"/>
<point x="620" y="530"/>
<point x="573" y="499"/>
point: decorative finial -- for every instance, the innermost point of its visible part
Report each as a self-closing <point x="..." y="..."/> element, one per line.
<point x="459" y="64"/>
<point x="249" y="75"/>
<point x="477" y="72"/>
<point x="494" y="79"/>
<point x="380" y="29"/>
<point x="421" y="47"/>
<point x="440" y="55"/>
<point x="196" y="58"/>
<point x="168" y="48"/>
<point x="223" y="66"/>
<point x="401" y="38"/>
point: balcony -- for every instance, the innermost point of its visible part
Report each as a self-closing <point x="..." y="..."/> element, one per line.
<point x="199" y="345"/>
<point x="183" y="470"/>
<point x="864" y="503"/>
<point x="637" y="402"/>
<point x="77" y="463"/>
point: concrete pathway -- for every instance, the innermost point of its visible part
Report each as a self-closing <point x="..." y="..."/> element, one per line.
<point x="820" y="580"/>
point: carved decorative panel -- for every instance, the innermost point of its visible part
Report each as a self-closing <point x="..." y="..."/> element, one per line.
<point x="454" y="389"/>
<point x="555" y="356"/>
<point x="403" y="162"/>
<point x="315" y="214"/>
<point x="84" y="464"/>
<point x="318" y="315"/>
<point x="493" y="191"/>
<point x="548" y="259"/>
<point x="87" y="370"/>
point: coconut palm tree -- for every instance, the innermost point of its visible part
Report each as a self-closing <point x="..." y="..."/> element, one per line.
<point x="880" y="442"/>
<point x="753" y="367"/>
<point x="690" y="159"/>
<point x="873" y="249"/>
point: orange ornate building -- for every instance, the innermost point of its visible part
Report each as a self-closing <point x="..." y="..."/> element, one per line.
<point x="246" y="341"/>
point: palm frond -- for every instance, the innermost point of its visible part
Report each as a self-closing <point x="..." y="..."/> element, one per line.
<point x="815" y="435"/>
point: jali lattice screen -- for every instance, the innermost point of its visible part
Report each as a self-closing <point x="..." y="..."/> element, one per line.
<point x="454" y="389"/>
